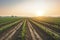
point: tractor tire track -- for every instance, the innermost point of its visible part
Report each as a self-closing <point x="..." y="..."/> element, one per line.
<point x="34" y="34"/>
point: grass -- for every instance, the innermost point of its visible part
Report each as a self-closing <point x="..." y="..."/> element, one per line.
<point x="54" y="20"/>
<point x="4" y="20"/>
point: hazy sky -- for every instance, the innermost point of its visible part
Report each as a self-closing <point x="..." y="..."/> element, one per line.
<point x="29" y="7"/>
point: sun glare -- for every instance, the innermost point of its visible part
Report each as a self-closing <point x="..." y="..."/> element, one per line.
<point x="39" y="13"/>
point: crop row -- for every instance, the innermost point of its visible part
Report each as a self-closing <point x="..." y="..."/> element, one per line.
<point x="47" y="30"/>
<point x="55" y="28"/>
<point x="45" y="22"/>
<point x="8" y="26"/>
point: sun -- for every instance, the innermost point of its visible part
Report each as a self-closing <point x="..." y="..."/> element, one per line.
<point x="39" y="13"/>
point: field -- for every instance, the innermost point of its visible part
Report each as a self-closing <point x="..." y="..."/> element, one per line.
<point x="29" y="28"/>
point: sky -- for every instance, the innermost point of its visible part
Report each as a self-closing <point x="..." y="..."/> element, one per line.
<point x="30" y="8"/>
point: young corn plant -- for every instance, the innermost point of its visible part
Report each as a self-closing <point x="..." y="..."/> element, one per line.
<point x="23" y="30"/>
